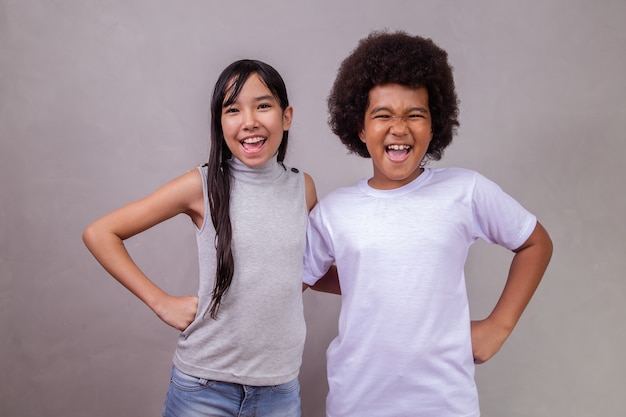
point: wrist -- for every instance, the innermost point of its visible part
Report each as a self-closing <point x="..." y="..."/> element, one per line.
<point x="156" y="300"/>
<point x="503" y="325"/>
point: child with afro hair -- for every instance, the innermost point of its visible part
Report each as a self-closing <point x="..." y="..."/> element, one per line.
<point x="400" y="239"/>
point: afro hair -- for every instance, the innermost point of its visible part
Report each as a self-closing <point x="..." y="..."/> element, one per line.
<point x="393" y="58"/>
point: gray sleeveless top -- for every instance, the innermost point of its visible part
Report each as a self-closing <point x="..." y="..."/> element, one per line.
<point x="259" y="334"/>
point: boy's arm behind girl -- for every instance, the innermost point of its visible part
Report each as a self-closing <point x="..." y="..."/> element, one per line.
<point x="328" y="283"/>
<point x="526" y="270"/>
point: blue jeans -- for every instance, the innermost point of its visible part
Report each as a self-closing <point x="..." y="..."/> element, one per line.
<point x="189" y="396"/>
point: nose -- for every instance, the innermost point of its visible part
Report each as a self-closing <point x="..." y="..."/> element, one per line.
<point x="249" y="120"/>
<point x="398" y="126"/>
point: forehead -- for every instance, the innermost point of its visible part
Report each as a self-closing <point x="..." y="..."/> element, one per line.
<point x="253" y="86"/>
<point x="397" y="95"/>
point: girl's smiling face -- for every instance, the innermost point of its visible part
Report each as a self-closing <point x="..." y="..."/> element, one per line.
<point x="254" y="123"/>
<point x="397" y="130"/>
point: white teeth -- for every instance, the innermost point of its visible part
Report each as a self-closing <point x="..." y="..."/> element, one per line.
<point x="253" y="140"/>
<point x="399" y="147"/>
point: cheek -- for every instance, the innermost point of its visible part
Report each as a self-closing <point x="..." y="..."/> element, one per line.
<point x="372" y="132"/>
<point x="277" y="125"/>
<point x="424" y="132"/>
<point x="229" y="128"/>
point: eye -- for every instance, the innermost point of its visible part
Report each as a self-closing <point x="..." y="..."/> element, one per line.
<point x="382" y="116"/>
<point x="415" y="116"/>
<point x="230" y="110"/>
<point x="264" y="106"/>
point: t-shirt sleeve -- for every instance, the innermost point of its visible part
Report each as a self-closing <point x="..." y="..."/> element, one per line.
<point x="498" y="217"/>
<point x="318" y="256"/>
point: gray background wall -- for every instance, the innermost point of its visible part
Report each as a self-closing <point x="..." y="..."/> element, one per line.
<point x="103" y="101"/>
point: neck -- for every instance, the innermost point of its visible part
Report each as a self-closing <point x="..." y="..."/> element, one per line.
<point x="269" y="170"/>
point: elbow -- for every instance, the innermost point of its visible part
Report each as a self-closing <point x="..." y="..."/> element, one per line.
<point x="92" y="235"/>
<point x="88" y="234"/>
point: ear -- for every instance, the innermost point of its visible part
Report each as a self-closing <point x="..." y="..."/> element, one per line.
<point x="362" y="136"/>
<point x="287" y="117"/>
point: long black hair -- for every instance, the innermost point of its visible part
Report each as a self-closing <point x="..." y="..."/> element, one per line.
<point x="226" y="91"/>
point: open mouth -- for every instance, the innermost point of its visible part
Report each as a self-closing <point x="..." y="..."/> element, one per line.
<point x="253" y="144"/>
<point x="397" y="153"/>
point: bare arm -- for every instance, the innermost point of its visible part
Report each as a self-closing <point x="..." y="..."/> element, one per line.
<point x="311" y="201"/>
<point x="527" y="269"/>
<point x="311" y="192"/>
<point x="104" y="238"/>
<point x="330" y="281"/>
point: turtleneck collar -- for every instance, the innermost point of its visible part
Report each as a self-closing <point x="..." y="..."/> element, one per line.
<point x="269" y="171"/>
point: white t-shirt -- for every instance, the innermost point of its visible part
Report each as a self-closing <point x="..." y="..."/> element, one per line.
<point x="404" y="343"/>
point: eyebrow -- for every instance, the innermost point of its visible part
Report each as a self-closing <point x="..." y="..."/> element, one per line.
<point x="265" y="97"/>
<point x="387" y="109"/>
<point x="256" y="100"/>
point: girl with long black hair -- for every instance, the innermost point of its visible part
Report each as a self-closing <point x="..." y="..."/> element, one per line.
<point x="241" y="341"/>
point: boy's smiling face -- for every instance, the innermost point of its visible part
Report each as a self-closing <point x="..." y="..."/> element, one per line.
<point x="397" y="131"/>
